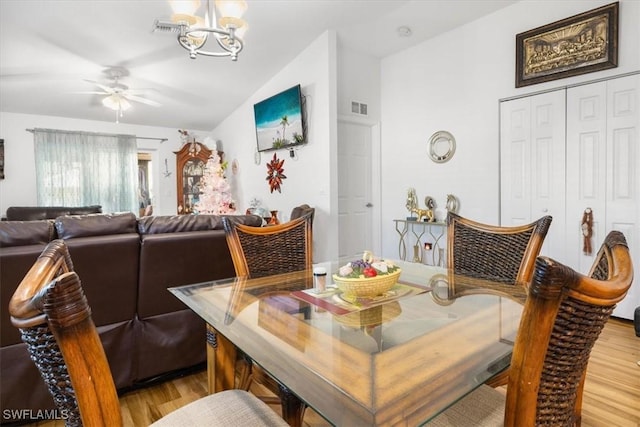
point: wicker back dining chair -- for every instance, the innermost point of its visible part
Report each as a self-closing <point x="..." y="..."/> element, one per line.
<point x="505" y="255"/>
<point x="53" y="315"/>
<point x="497" y="253"/>
<point x="259" y="252"/>
<point x="265" y="251"/>
<point x="563" y="316"/>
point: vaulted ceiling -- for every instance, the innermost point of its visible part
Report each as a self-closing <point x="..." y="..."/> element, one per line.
<point x="49" y="48"/>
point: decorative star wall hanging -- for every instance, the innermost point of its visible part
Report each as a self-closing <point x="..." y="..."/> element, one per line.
<point x="275" y="173"/>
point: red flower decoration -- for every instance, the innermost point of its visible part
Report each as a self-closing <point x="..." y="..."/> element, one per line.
<point x="275" y="173"/>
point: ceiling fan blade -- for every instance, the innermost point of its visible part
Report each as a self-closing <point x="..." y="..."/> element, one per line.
<point x="142" y="100"/>
<point x="91" y="92"/>
<point x="137" y="91"/>
<point x="101" y="86"/>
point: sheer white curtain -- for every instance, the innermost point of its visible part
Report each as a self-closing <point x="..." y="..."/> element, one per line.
<point x="82" y="168"/>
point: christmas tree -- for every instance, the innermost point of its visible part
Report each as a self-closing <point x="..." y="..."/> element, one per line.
<point x="215" y="192"/>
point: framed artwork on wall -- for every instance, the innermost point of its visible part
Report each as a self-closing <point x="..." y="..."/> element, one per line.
<point x="576" y="45"/>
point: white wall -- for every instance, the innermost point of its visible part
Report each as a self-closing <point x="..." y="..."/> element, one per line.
<point x="19" y="186"/>
<point x="358" y="80"/>
<point x="309" y="174"/>
<point x="454" y="82"/>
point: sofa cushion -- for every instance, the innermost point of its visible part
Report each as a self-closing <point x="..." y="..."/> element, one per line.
<point x="70" y="227"/>
<point x="108" y="269"/>
<point x="183" y="223"/>
<point x="176" y="259"/>
<point x="32" y="213"/>
<point x="24" y="233"/>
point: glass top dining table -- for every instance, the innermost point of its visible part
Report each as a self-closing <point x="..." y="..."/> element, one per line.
<point x="400" y="359"/>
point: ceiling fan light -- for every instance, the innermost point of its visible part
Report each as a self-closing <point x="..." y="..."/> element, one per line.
<point x="116" y="102"/>
<point x="111" y="102"/>
<point x="124" y="104"/>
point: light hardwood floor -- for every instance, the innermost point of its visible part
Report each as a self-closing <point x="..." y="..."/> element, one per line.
<point x="611" y="395"/>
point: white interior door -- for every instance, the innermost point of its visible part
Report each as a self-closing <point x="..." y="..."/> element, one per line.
<point x="355" y="200"/>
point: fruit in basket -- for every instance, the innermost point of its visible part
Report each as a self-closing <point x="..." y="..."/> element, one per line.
<point x="367" y="277"/>
<point x="369" y="272"/>
<point x="367" y="267"/>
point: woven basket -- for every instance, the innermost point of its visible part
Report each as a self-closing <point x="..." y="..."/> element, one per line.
<point x="372" y="316"/>
<point x="368" y="286"/>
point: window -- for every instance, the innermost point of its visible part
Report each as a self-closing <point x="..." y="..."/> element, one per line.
<point x="82" y="168"/>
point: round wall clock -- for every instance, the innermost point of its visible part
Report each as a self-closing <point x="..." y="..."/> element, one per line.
<point x="442" y="145"/>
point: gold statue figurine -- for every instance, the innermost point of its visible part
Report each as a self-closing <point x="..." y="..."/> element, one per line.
<point x="412" y="202"/>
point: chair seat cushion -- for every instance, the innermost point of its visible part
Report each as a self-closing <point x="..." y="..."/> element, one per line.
<point x="227" y="408"/>
<point x="482" y="407"/>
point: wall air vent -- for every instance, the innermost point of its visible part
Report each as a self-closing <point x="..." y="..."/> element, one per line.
<point x="359" y="108"/>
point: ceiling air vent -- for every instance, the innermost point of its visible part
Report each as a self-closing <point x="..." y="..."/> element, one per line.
<point x="359" y="108"/>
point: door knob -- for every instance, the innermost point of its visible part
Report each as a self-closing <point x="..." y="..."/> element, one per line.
<point x="369" y="205"/>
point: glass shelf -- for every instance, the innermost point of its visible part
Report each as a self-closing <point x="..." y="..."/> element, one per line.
<point x="426" y="238"/>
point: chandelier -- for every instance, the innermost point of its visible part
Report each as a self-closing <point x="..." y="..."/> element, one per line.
<point x="222" y="21"/>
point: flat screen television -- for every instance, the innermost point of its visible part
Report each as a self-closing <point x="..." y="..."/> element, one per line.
<point x="281" y="120"/>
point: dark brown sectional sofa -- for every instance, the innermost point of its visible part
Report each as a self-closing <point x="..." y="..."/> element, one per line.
<point x="126" y="265"/>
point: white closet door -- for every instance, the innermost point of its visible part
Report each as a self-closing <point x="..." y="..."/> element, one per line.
<point x="623" y="174"/>
<point x="586" y="169"/>
<point x="603" y="171"/>
<point x="532" y="150"/>
<point x="548" y="125"/>
<point x="515" y="165"/>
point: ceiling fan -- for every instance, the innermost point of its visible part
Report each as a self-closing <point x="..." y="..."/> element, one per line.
<point x="117" y="94"/>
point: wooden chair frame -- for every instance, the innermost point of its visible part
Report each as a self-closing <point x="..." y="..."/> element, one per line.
<point x="563" y="315"/>
<point x="53" y="315"/>
<point x="70" y="334"/>
<point x="258" y="252"/>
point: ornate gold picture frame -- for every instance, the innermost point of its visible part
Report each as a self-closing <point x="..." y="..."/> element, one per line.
<point x="576" y="45"/>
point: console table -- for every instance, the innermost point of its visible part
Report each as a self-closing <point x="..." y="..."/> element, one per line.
<point x="422" y="233"/>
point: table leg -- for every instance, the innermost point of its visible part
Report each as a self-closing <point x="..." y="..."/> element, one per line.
<point x="221" y="359"/>
<point x="292" y="407"/>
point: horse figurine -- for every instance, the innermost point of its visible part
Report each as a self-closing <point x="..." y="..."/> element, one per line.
<point x="427" y="214"/>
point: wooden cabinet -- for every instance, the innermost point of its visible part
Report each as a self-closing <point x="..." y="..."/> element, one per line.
<point x="572" y="149"/>
<point x="191" y="161"/>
